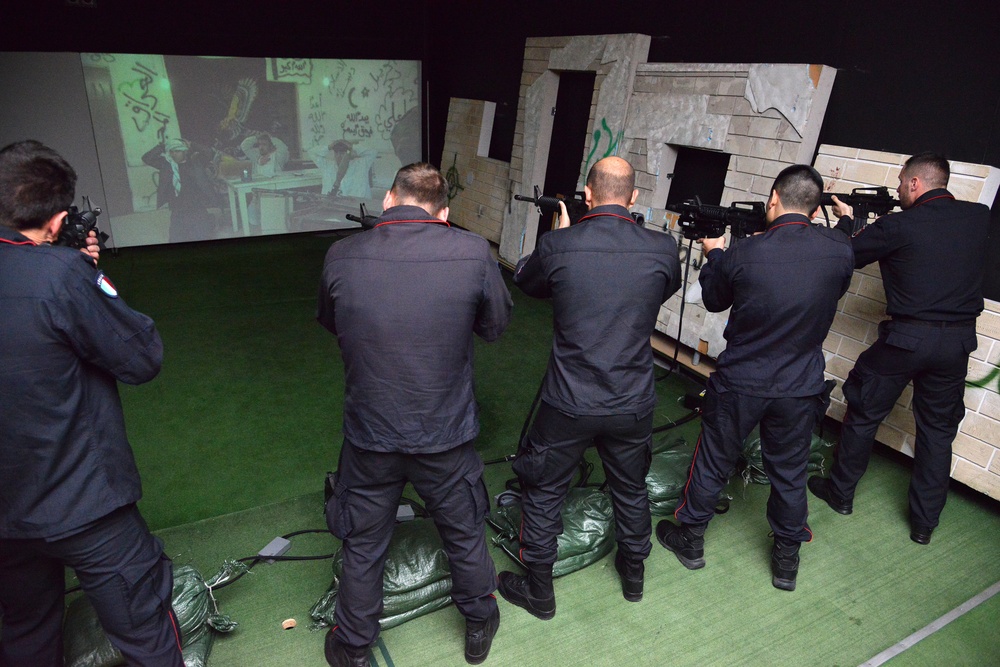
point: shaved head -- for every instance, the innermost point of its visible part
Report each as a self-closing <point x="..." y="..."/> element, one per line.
<point x="611" y="181"/>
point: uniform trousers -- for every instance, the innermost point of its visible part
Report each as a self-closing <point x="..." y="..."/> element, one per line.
<point x="935" y="358"/>
<point x="786" y="426"/>
<point x="124" y="573"/>
<point x="362" y="511"/>
<point x="548" y="460"/>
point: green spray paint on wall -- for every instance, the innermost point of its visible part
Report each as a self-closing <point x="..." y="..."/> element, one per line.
<point x="612" y="140"/>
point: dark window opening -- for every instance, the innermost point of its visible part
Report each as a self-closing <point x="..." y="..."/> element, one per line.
<point x="698" y="173"/>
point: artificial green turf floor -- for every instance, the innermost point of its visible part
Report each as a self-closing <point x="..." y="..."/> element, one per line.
<point x="234" y="437"/>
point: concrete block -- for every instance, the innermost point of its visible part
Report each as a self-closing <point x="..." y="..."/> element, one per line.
<point x="995" y="463"/>
<point x="906" y="396"/>
<point x="839" y="367"/>
<point x="982" y="350"/>
<point x="769" y="149"/>
<point x="890" y="436"/>
<point x="965" y="188"/>
<point x="988" y="325"/>
<point x="973" y="398"/>
<point x="739" y="180"/>
<point x="738" y="145"/>
<point x="981" y="374"/>
<point x="966" y="169"/>
<point x="853" y="327"/>
<point x="722" y="106"/>
<point x="882" y="157"/>
<point x="772" y="168"/>
<point x="837" y="410"/>
<point x="838" y="151"/>
<point x="990" y="407"/>
<point x="973" y="450"/>
<point x="866" y="172"/>
<point x="901" y="418"/>
<point x="766" y="128"/>
<point x="977" y="478"/>
<point x="851" y="349"/>
<point x="748" y="165"/>
<point x="790" y="151"/>
<point x="981" y="427"/>
<point x="832" y="343"/>
<point x="788" y="133"/>
<point x="993" y="357"/>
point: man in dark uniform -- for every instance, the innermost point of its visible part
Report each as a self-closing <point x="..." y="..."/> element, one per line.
<point x="403" y="300"/>
<point x="607" y="278"/>
<point x="68" y="481"/>
<point x="783" y="286"/>
<point x="932" y="257"/>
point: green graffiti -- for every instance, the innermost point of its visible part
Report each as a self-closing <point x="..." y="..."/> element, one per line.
<point x="454" y="187"/>
<point x="613" y="140"/>
<point x="983" y="382"/>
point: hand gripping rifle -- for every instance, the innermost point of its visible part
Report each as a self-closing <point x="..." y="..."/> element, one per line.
<point x="864" y="201"/>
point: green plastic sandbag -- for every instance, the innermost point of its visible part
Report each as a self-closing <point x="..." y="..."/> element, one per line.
<point x="668" y="473"/>
<point x="416" y="581"/>
<point x="86" y="645"/>
<point x="751" y="464"/>
<point x="588" y="530"/>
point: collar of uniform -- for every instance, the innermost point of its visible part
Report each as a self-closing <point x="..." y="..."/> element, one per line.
<point x="788" y="219"/>
<point x="932" y="194"/>
<point x="609" y="209"/>
<point x="407" y="213"/>
<point x="8" y="235"/>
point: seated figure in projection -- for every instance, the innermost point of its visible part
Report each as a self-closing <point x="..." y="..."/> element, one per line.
<point x="186" y="186"/>
<point x="268" y="156"/>
<point x="346" y="168"/>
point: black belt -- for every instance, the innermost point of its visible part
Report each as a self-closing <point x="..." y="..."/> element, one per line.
<point x="943" y="324"/>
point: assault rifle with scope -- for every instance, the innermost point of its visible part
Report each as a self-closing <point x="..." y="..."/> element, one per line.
<point x="706" y="221"/>
<point x="864" y="201"/>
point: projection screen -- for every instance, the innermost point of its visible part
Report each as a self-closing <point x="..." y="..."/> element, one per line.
<point x="200" y="148"/>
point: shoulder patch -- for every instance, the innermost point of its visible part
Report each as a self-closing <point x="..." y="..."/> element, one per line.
<point x="106" y="286"/>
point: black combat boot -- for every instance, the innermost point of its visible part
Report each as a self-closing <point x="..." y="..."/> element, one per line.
<point x="784" y="563"/>
<point x="631" y="570"/>
<point x="342" y="655"/>
<point x="533" y="592"/>
<point x="479" y="637"/>
<point x="820" y="487"/>
<point x="686" y="541"/>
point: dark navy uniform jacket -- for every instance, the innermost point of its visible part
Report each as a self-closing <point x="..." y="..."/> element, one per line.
<point x="932" y="257"/>
<point x="607" y="277"/>
<point x="403" y="299"/>
<point x="65" y="338"/>
<point x="783" y="286"/>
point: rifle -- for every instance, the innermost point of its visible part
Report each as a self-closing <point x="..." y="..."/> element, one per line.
<point x="576" y="207"/>
<point x="366" y="221"/>
<point x="864" y="201"/>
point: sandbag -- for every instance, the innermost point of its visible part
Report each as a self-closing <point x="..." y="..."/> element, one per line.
<point x="751" y="465"/>
<point x="417" y="579"/>
<point x="668" y="473"/>
<point x="86" y="645"/>
<point x="588" y="530"/>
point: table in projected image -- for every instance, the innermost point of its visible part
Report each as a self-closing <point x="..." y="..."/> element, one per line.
<point x="239" y="189"/>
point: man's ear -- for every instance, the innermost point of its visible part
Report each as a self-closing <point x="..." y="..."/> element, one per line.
<point x="587" y="196"/>
<point x="54" y="225"/>
<point x="388" y="201"/>
<point x="635" y="195"/>
<point x="442" y="214"/>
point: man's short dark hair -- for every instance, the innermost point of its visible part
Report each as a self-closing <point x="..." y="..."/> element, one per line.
<point x="611" y="181"/>
<point x="800" y="188"/>
<point x="36" y="183"/>
<point x="422" y="185"/>
<point x="932" y="168"/>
